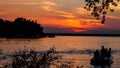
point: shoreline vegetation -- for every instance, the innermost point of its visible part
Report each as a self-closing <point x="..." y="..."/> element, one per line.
<point x="33" y="59"/>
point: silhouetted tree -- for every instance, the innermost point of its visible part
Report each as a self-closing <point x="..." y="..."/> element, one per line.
<point x="1" y="27"/>
<point x="20" y="27"/>
<point x="100" y="7"/>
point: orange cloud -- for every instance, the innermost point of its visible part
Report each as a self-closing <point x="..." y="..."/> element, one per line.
<point x="83" y="22"/>
<point x="30" y="3"/>
<point x="2" y="13"/>
<point x="51" y="7"/>
<point x="64" y="14"/>
<point x="81" y="11"/>
<point x="48" y="5"/>
<point x="81" y="25"/>
<point x="113" y="17"/>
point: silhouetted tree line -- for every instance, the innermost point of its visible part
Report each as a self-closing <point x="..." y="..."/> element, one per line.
<point x="20" y="27"/>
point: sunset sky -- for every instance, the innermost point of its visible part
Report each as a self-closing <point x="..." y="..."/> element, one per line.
<point x="60" y="16"/>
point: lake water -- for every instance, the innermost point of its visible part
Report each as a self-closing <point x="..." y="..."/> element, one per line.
<point x="66" y="43"/>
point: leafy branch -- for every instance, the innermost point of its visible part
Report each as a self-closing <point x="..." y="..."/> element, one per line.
<point x="100" y="7"/>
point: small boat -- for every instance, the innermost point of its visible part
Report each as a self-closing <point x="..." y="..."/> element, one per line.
<point x="102" y="57"/>
<point x="51" y="36"/>
<point x="104" y="61"/>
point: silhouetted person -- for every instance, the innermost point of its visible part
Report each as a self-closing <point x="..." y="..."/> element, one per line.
<point x="106" y="53"/>
<point x="103" y="52"/>
<point x="109" y="53"/>
<point x="96" y="54"/>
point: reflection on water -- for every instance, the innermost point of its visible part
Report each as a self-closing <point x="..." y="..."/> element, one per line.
<point x="73" y="44"/>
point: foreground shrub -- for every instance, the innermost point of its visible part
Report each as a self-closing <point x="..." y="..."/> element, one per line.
<point x="33" y="59"/>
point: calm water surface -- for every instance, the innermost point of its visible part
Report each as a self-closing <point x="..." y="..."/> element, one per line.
<point x="64" y="43"/>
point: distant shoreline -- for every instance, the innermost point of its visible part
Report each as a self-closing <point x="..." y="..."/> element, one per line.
<point x="70" y="34"/>
<point x="52" y="35"/>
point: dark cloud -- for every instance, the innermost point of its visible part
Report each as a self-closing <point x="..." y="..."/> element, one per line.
<point x="53" y="29"/>
<point x="102" y="31"/>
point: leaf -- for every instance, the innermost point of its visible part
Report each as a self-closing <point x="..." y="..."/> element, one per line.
<point x="112" y="10"/>
<point x="104" y="12"/>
